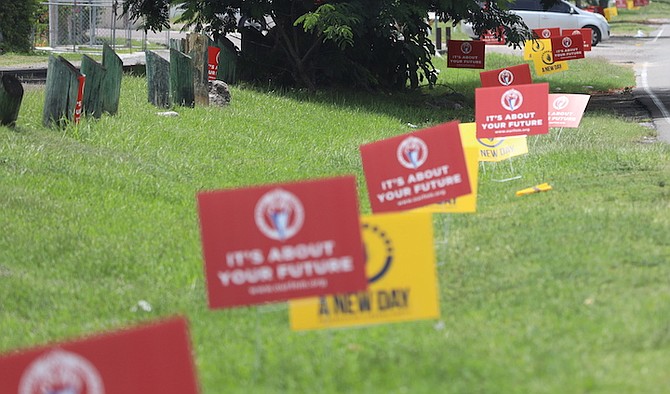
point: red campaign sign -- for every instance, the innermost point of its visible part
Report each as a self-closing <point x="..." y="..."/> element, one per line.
<point x="640" y="3"/>
<point x="154" y="358"/>
<point x="515" y="75"/>
<point x="508" y="111"/>
<point x="587" y="36"/>
<point x="548" y="32"/>
<point x="212" y="62"/>
<point x="279" y="242"/>
<point x="412" y="170"/>
<point x="80" y="98"/>
<point x="566" y="110"/>
<point x="621" y="4"/>
<point x="465" y="54"/>
<point x="567" y="48"/>
<point x="493" y="38"/>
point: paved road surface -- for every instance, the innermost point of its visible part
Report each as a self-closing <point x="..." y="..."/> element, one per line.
<point x="650" y="57"/>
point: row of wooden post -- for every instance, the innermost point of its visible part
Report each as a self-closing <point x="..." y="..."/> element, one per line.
<point x="95" y="88"/>
<point x="64" y="99"/>
<point x="183" y="79"/>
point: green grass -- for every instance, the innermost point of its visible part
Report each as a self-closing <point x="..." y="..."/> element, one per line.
<point x="559" y="292"/>
<point x="647" y="18"/>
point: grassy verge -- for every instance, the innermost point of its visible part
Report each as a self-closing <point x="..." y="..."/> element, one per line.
<point x="564" y="291"/>
<point x="645" y="19"/>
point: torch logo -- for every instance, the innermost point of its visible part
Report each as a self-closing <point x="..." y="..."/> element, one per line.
<point x="567" y="42"/>
<point x="560" y="102"/>
<point x="412" y="153"/>
<point x="506" y="77"/>
<point x="466" y="48"/>
<point x="61" y="372"/>
<point x="511" y="100"/>
<point x="279" y="214"/>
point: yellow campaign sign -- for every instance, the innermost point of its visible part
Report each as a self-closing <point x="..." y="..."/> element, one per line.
<point x="499" y="149"/>
<point x="539" y="51"/>
<point x="402" y="283"/>
<point x="468" y="202"/>
<point x="610" y="12"/>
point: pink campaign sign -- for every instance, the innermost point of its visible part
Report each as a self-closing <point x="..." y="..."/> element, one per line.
<point x="514" y="75"/>
<point x="465" y="54"/>
<point x="416" y="169"/>
<point x="566" y="110"/>
<point x="152" y="358"/>
<point x="283" y="241"/>
<point x="506" y="111"/>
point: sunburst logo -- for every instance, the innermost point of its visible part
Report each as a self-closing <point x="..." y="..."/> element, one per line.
<point x="490" y="142"/>
<point x="279" y="214"/>
<point x="378" y="251"/>
<point x="412" y="152"/>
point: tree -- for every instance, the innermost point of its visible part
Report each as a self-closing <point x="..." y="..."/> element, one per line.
<point x="310" y="43"/>
<point x="16" y="23"/>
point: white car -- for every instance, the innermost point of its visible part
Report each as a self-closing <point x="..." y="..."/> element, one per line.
<point x="562" y="14"/>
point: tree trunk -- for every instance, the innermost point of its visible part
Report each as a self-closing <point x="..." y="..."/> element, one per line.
<point x="158" y="78"/>
<point x="111" y="85"/>
<point x="182" y="90"/>
<point x="11" y="95"/>
<point x="95" y="74"/>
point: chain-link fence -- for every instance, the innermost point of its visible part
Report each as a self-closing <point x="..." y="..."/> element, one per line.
<point x="86" y="24"/>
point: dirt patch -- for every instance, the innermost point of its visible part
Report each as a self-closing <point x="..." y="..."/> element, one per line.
<point x="620" y="103"/>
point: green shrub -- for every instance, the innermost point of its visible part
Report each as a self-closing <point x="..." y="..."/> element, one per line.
<point x="16" y="25"/>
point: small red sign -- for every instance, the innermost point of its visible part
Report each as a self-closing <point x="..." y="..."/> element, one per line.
<point x="494" y="38"/>
<point x="566" y="110"/>
<point x="567" y="48"/>
<point x="278" y="242"/>
<point x="548" y="32"/>
<point x="640" y="3"/>
<point x="154" y="358"/>
<point x="587" y="36"/>
<point x="465" y="54"/>
<point x="416" y="169"/>
<point x="515" y="75"/>
<point x="80" y="98"/>
<point x="515" y="110"/>
<point x="621" y="4"/>
<point x="212" y="62"/>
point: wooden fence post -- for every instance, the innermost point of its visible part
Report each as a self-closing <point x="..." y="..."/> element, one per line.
<point x="11" y="95"/>
<point x="227" y="71"/>
<point x="158" y="79"/>
<point x="197" y="50"/>
<point x="95" y="74"/>
<point x="182" y="90"/>
<point x="111" y="85"/>
<point x="61" y="92"/>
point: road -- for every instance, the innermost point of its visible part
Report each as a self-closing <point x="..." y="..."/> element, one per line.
<point x="650" y="57"/>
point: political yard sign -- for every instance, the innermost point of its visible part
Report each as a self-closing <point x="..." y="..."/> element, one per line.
<point x="567" y="48"/>
<point x="566" y="110"/>
<point x="401" y="274"/>
<point x="153" y="358"/>
<point x="499" y="149"/>
<point x="412" y="170"/>
<point x="465" y="54"/>
<point x="468" y="202"/>
<point x="540" y="53"/>
<point x="586" y="36"/>
<point x="509" y="111"/>
<point x="277" y="242"/>
<point x="514" y="75"/>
